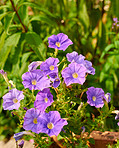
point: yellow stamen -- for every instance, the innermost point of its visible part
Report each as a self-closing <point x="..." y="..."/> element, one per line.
<point x="34" y="82"/>
<point x="46" y="100"/>
<point x="94" y="98"/>
<point x="57" y="44"/>
<point x="50" y="125"/>
<point x="75" y="75"/>
<point x="35" y="121"/>
<point x="51" y="67"/>
<point x="15" y="100"/>
<point x="57" y="80"/>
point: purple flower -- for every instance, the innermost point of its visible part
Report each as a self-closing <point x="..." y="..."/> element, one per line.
<point x="44" y="99"/>
<point x="21" y="144"/>
<point x="89" y="67"/>
<point x="54" y="79"/>
<point x="35" y="80"/>
<point x="50" y="66"/>
<point x="34" y="65"/>
<point x="115" y="19"/>
<point x="12" y="99"/>
<point x="19" y="135"/>
<point x="52" y="123"/>
<point x="118" y="123"/>
<point x="107" y="97"/>
<point x="59" y="41"/>
<point x="95" y="97"/>
<point x="117" y="117"/>
<point x="74" y="57"/>
<point x="2" y="72"/>
<point x="74" y="73"/>
<point x="32" y="120"/>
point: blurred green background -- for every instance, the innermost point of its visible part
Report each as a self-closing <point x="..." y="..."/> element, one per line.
<point x="25" y="26"/>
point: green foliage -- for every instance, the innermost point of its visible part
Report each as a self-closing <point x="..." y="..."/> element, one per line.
<point x="25" y="26"/>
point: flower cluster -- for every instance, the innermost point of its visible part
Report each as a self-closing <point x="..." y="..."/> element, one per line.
<point x="43" y="80"/>
<point x="115" y="23"/>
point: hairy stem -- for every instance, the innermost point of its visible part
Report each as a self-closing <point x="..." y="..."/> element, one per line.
<point x="14" y="8"/>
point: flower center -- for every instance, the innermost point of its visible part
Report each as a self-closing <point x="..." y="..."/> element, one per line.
<point x="35" y="121"/>
<point x="57" y="44"/>
<point x="46" y="100"/>
<point x="33" y="82"/>
<point x="75" y="75"/>
<point x="94" y="98"/>
<point x="57" y="80"/>
<point x="51" y="67"/>
<point x="15" y="100"/>
<point x="50" y="125"/>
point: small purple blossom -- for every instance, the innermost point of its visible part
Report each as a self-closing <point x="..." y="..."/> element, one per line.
<point x="74" y="73"/>
<point x="83" y="129"/>
<point x="35" y="80"/>
<point x="50" y="66"/>
<point x="32" y="120"/>
<point x="34" y="65"/>
<point x="107" y="97"/>
<point x="19" y="135"/>
<point x="89" y="67"/>
<point x="21" y="144"/>
<point x="2" y="72"/>
<point x="59" y="41"/>
<point x="74" y="57"/>
<point x="52" y="123"/>
<point x="95" y="97"/>
<point x="115" y="19"/>
<point x="25" y="108"/>
<point x="54" y="79"/>
<point x="44" y="99"/>
<point x="12" y="99"/>
<point x="117" y="117"/>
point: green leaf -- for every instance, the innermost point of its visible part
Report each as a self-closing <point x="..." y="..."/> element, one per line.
<point x="4" y="55"/>
<point x="11" y="41"/>
<point x="116" y="43"/>
<point x="2" y="39"/>
<point x="8" y="20"/>
<point x="83" y="14"/>
<point x="34" y="40"/>
<point x="3" y="15"/>
<point x="3" y="6"/>
<point x="115" y="7"/>
<point x="107" y="48"/>
<point x="39" y="8"/>
<point x="43" y="18"/>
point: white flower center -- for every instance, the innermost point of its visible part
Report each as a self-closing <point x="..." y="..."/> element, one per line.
<point x="75" y="75"/>
<point x="50" y="125"/>
<point x="94" y="98"/>
<point x="15" y="100"/>
<point x="34" y="82"/>
<point x="51" y="67"/>
<point x="46" y="100"/>
<point x="35" y="121"/>
<point x="57" y="44"/>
